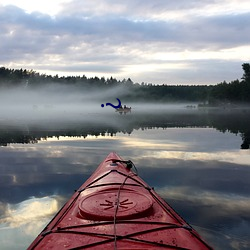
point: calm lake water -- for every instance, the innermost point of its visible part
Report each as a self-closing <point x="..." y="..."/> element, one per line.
<point x="197" y="160"/>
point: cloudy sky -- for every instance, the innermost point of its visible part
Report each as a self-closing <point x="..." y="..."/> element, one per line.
<point x="157" y="41"/>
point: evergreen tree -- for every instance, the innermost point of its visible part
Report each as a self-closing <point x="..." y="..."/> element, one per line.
<point x="246" y="69"/>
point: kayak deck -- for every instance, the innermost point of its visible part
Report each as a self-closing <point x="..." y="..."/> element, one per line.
<point x="116" y="209"/>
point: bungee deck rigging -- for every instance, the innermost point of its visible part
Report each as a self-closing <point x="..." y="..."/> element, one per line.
<point x="116" y="209"/>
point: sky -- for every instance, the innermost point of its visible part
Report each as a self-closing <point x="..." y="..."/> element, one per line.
<point x="152" y="41"/>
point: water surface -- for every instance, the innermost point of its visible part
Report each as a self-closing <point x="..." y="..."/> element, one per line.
<point x="194" y="160"/>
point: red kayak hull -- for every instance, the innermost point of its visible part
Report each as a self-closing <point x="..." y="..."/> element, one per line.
<point x="116" y="209"/>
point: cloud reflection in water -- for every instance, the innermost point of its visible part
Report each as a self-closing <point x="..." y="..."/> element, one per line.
<point x="198" y="171"/>
<point x="25" y="220"/>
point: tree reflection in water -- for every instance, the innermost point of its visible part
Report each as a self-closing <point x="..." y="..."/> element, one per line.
<point x="233" y="121"/>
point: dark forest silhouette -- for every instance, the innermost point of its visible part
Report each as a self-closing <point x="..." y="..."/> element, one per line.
<point x="236" y="91"/>
<point x="225" y="95"/>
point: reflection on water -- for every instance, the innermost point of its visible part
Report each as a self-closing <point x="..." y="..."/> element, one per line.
<point x="22" y="220"/>
<point x="193" y="160"/>
<point x="101" y="124"/>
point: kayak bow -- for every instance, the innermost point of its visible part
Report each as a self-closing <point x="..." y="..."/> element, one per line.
<point x="116" y="209"/>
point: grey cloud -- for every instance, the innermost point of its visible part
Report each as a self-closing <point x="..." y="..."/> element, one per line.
<point x="85" y="68"/>
<point x="219" y="31"/>
<point x="134" y="8"/>
<point x="209" y="71"/>
<point x="229" y="31"/>
<point x="98" y="39"/>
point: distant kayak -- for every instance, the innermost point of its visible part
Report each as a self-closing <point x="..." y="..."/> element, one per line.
<point x="124" y="110"/>
<point x="116" y="209"/>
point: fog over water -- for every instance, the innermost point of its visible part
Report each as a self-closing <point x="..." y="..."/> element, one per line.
<point x="53" y="138"/>
<point x="61" y="107"/>
<point x="59" y="102"/>
<point x="50" y="102"/>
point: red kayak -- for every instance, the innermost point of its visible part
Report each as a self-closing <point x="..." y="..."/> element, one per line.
<point x="116" y="209"/>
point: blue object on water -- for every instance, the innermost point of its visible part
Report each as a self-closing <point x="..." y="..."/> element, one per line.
<point x="110" y="104"/>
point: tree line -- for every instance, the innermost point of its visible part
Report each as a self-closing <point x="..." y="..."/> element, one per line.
<point x="236" y="91"/>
